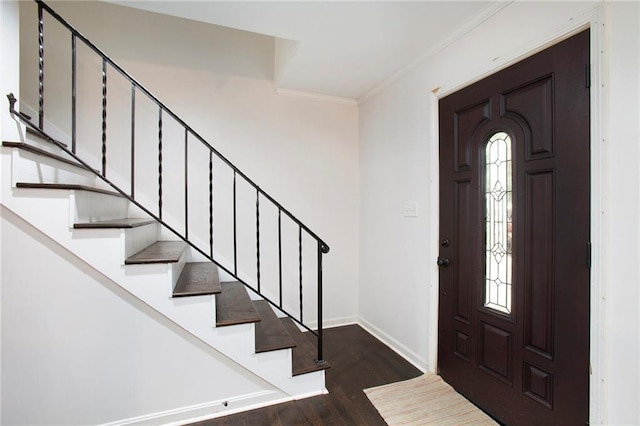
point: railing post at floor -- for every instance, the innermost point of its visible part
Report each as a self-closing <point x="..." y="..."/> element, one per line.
<point x="320" y="358"/>
<point x="300" y="268"/>
<point x="235" y="234"/>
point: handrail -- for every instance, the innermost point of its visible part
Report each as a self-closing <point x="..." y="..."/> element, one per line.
<point x="322" y="247"/>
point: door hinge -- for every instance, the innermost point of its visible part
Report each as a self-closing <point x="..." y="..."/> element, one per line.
<point x="589" y="255"/>
<point x="587" y="72"/>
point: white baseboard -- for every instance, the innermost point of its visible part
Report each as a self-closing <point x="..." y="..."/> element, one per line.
<point x="416" y="360"/>
<point x="207" y="410"/>
<point x="333" y="322"/>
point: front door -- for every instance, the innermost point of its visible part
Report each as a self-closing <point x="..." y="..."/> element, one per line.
<point x="514" y="234"/>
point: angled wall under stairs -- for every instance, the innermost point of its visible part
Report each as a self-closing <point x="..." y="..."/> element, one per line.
<point x="61" y="202"/>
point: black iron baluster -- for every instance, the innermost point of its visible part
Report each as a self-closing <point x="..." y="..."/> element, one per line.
<point x="186" y="184"/>
<point x="211" y="201"/>
<point x="160" y="162"/>
<point x="258" y="237"/>
<point x="320" y="359"/>
<point x="133" y="139"/>
<point x="235" y="235"/>
<point x="40" y="67"/>
<point x="104" y="117"/>
<point x="280" y="255"/>
<point x="73" y="93"/>
<point x="300" y="266"/>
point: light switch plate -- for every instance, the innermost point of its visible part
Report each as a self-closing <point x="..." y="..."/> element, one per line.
<point x="411" y="209"/>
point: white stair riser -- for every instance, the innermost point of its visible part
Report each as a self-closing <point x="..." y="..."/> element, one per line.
<point x="93" y="206"/>
<point x="33" y="168"/>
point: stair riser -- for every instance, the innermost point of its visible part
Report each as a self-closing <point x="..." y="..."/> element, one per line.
<point x="91" y="206"/>
<point x="34" y="168"/>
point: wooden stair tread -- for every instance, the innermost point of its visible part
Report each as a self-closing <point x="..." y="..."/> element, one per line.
<point x="69" y="186"/>
<point x="198" y="279"/>
<point x="234" y="306"/>
<point x="305" y="353"/>
<point x="158" y="252"/>
<point x="114" y="223"/>
<point x="270" y="332"/>
<point x="45" y="153"/>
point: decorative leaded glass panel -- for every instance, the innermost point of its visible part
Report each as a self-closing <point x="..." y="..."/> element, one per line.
<point x="499" y="223"/>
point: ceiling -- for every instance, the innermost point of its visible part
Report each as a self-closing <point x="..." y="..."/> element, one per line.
<point x="337" y="48"/>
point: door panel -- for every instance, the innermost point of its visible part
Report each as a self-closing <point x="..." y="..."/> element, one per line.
<point x="524" y="361"/>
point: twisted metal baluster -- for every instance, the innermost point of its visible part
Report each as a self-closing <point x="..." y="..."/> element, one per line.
<point x="280" y="255"/>
<point x="300" y="265"/>
<point x="133" y="139"/>
<point x="73" y="93"/>
<point x="186" y="183"/>
<point x="40" y="68"/>
<point x="160" y="163"/>
<point x="258" y="237"/>
<point x="104" y="117"/>
<point x="211" y="201"/>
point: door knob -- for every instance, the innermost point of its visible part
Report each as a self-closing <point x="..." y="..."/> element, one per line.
<point x="443" y="261"/>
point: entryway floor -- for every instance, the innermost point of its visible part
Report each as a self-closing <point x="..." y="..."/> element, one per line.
<point x="358" y="361"/>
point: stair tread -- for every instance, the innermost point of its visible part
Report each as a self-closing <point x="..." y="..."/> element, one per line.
<point x="305" y="353"/>
<point x="234" y="306"/>
<point x="270" y="332"/>
<point x="115" y="223"/>
<point x="45" y="153"/>
<point x="197" y="279"/>
<point x="71" y="186"/>
<point x="158" y="252"/>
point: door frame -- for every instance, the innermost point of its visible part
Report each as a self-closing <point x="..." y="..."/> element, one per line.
<point x="596" y="21"/>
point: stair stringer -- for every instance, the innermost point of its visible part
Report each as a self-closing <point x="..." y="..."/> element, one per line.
<point x="53" y="212"/>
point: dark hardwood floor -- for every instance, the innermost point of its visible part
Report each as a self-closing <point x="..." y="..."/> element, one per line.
<point x="358" y="361"/>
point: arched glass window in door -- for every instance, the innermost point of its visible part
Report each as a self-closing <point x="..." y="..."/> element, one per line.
<point x="499" y="223"/>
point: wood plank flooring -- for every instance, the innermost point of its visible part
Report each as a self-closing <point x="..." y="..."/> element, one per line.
<point x="358" y="361"/>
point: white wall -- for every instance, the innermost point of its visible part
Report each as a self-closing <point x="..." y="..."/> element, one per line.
<point x="9" y="83"/>
<point x="621" y="212"/>
<point x="398" y="163"/>
<point x="301" y="151"/>
<point x="78" y="349"/>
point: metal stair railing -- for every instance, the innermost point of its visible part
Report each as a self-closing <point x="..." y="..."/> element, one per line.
<point x="190" y="137"/>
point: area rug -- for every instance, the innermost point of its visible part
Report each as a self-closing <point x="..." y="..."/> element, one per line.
<point x="425" y="400"/>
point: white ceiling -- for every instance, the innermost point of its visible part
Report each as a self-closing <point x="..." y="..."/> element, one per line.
<point x="336" y="48"/>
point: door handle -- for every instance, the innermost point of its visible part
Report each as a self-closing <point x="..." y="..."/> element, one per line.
<point x="444" y="262"/>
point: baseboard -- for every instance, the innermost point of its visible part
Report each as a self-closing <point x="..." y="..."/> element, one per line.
<point x="207" y="410"/>
<point x="334" y="322"/>
<point x="417" y="361"/>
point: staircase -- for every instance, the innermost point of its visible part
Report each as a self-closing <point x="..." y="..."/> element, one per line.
<point x="69" y="203"/>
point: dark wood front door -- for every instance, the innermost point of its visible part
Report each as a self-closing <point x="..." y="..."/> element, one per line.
<point x="514" y="233"/>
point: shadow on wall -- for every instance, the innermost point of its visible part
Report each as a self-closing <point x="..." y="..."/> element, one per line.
<point x="128" y="34"/>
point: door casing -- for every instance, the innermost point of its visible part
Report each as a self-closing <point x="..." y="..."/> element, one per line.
<point x="598" y="102"/>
